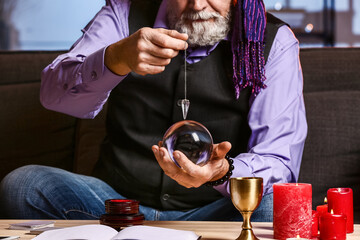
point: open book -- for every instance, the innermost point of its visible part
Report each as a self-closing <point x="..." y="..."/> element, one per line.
<point x="96" y="232"/>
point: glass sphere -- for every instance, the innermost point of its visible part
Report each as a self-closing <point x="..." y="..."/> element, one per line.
<point x="191" y="138"/>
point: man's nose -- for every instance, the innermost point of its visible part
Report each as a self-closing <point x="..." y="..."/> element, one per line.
<point x="198" y="5"/>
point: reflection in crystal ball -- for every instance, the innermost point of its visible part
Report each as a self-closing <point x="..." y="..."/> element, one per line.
<point x="191" y="138"/>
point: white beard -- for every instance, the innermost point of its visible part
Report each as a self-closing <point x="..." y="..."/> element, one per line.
<point x="202" y="33"/>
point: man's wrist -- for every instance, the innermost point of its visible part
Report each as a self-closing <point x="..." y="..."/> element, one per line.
<point x="226" y="176"/>
<point x="112" y="62"/>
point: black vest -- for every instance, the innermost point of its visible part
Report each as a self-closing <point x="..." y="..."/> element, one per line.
<point x="142" y="108"/>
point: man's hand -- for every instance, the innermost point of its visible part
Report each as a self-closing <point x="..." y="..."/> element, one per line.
<point x="147" y="51"/>
<point x="190" y="174"/>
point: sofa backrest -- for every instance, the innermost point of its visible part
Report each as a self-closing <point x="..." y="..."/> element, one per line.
<point x="331" y="156"/>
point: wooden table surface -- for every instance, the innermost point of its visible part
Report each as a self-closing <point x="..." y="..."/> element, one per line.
<point x="208" y="230"/>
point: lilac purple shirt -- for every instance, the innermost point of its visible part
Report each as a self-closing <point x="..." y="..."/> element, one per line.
<point x="78" y="83"/>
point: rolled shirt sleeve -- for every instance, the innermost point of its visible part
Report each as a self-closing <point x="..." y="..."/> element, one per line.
<point x="80" y="76"/>
<point x="277" y="120"/>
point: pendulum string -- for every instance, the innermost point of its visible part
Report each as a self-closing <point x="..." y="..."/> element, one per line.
<point x="185" y="103"/>
<point x="185" y="79"/>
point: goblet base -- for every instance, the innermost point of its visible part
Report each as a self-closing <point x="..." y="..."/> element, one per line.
<point x="247" y="234"/>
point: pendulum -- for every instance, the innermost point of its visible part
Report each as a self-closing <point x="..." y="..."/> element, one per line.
<point x="190" y="137"/>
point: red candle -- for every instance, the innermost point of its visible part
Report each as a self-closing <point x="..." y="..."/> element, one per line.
<point x="321" y="209"/>
<point x="292" y="210"/>
<point x="341" y="201"/>
<point x="332" y="226"/>
<point x="315" y="224"/>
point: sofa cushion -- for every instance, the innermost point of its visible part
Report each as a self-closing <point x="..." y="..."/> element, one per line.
<point x="89" y="135"/>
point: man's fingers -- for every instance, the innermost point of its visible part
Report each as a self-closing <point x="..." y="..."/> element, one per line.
<point x="221" y="149"/>
<point x="155" y="150"/>
<point x="153" y="60"/>
<point x="187" y="165"/>
<point x="174" y="34"/>
<point x="144" y="69"/>
<point x="189" y="175"/>
<point x="164" y="159"/>
<point x="150" y="50"/>
<point x="164" y="40"/>
<point x="147" y="51"/>
<point x="160" y="52"/>
<point x="224" y="146"/>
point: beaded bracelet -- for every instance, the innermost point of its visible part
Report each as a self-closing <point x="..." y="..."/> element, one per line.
<point x="227" y="175"/>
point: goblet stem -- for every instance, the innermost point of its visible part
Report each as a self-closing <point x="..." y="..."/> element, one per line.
<point x="246" y="216"/>
<point x="247" y="232"/>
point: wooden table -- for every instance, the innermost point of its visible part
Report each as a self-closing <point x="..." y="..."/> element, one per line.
<point x="208" y="230"/>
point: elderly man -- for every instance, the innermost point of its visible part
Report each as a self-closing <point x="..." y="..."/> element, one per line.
<point x="244" y="84"/>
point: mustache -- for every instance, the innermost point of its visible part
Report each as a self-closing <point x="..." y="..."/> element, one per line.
<point x="202" y="15"/>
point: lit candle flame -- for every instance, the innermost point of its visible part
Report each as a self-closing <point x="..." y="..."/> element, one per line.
<point x="325" y="200"/>
<point x="332" y="211"/>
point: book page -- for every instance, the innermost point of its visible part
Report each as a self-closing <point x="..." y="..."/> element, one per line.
<point x="88" y="232"/>
<point x="154" y="233"/>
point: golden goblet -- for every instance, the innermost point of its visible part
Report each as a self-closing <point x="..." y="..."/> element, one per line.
<point x="246" y="194"/>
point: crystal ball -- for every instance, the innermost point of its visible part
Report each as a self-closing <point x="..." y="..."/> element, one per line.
<point x="191" y="138"/>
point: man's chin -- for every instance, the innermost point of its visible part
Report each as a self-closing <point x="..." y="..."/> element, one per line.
<point x="210" y="20"/>
<point x="189" y="23"/>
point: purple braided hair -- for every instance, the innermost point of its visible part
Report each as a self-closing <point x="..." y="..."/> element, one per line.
<point x="247" y="44"/>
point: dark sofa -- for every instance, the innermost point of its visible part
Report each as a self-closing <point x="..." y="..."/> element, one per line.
<point x="31" y="134"/>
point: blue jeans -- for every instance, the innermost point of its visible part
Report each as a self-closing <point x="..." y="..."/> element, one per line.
<point x="40" y="192"/>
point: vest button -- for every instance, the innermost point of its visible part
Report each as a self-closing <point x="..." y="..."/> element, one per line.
<point x="165" y="197"/>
